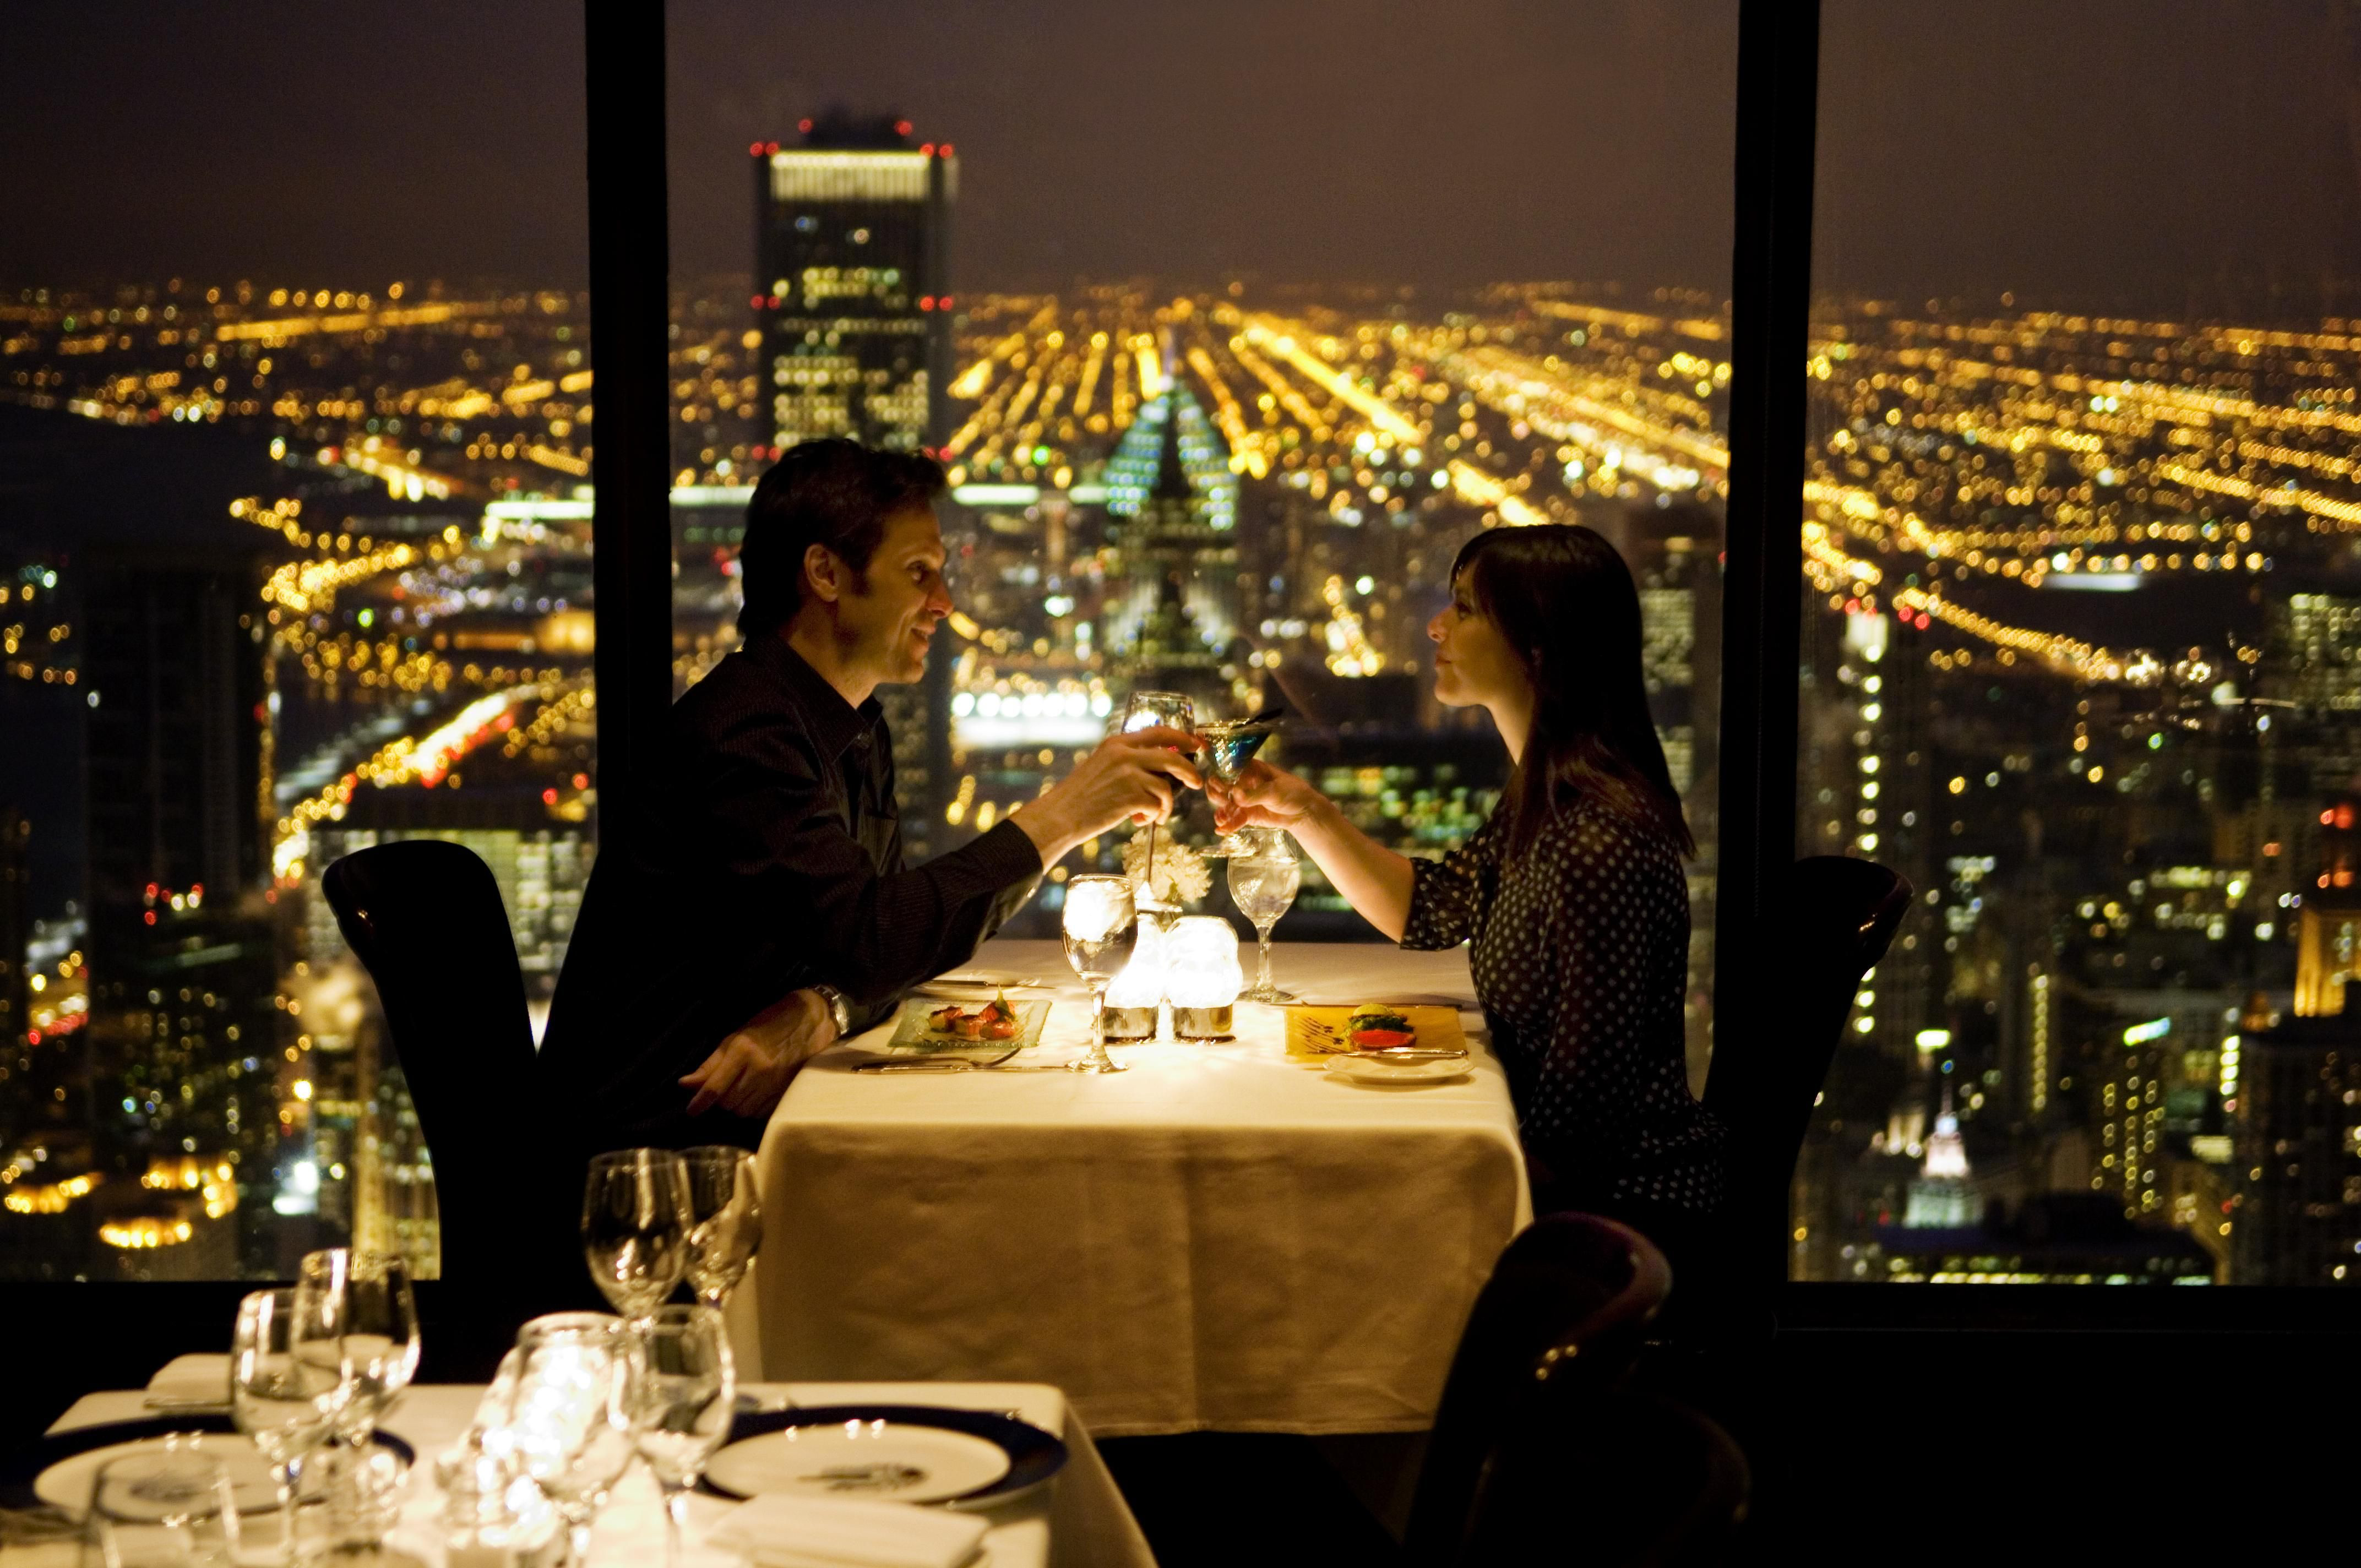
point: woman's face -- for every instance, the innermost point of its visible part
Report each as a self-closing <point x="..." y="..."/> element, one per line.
<point x="1473" y="666"/>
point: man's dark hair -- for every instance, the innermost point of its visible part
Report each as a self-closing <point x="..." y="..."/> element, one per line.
<point x="831" y="491"/>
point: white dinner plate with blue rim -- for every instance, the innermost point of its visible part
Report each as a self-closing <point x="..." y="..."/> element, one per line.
<point x="902" y="1454"/>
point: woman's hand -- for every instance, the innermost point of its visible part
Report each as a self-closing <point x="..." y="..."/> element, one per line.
<point x="750" y="1070"/>
<point x="1263" y="797"/>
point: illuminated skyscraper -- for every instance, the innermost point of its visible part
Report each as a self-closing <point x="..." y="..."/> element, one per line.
<point x="184" y="965"/>
<point x="852" y="256"/>
<point x="851" y="252"/>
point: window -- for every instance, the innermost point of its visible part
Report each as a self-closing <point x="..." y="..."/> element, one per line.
<point x="1196" y="310"/>
<point x="295" y="402"/>
<point x="2078" y="642"/>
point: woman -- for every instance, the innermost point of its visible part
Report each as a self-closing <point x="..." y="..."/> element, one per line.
<point x="1571" y="897"/>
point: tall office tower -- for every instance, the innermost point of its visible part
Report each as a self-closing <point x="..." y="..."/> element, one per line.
<point x="2298" y="1214"/>
<point x="185" y="1014"/>
<point x="853" y="254"/>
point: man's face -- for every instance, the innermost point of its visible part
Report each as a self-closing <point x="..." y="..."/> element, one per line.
<point x="885" y="626"/>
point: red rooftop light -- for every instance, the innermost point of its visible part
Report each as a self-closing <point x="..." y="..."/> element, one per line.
<point x="756" y="150"/>
<point x="803" y="125"/>
<point x="901" y="127"/>
<point x="927" y="148"/>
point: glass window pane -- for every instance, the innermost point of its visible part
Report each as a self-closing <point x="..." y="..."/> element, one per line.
<point x="2078" y="612"/>
<point x="1226" y="357"/>
<point x="294" y="416"/>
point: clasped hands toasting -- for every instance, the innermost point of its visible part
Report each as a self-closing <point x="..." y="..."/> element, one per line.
<point x="1132" y="777"/>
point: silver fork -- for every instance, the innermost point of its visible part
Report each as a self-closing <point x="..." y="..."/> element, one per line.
<point x="954" y="1064"/>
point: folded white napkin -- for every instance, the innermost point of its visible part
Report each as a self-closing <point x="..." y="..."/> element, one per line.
<point x="782" y="1530"/>
<point x="192" y="1378"/>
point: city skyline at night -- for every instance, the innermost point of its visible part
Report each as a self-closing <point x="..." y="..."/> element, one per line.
<point x="295" y="540"/>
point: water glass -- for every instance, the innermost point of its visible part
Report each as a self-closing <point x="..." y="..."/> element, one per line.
<point x="725" y="1220"/>
<point x="569" y="1417"/>
<point x="1102" y="927"/>
<point x="635" y="1225"/>
<point x="1265" y="876"/>
<point x="1150" y="710"/>
<point x="162" y="1507"/>
<point x="682" y="1403"/>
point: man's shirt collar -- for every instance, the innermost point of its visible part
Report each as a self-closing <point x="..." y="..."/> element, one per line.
<point x="835" y="723"/>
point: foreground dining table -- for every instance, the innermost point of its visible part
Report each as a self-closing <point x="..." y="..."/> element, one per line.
<point x="1219" y="1239"/>
<point x="1078" y="1518"/>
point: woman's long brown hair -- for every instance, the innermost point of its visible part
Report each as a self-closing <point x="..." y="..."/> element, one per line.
<point x="1564" y="600"/>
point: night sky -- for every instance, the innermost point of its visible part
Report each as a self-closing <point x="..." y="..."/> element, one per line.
<point x="2163" y="153"/>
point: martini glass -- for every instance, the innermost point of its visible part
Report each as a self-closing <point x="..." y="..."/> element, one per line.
<point x="1229" y="745"/>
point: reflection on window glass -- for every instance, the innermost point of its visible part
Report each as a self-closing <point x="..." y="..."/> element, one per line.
<point x="293" y="560"/>
<point x="2081" y="631"/>
<point x="1220" y="396"/>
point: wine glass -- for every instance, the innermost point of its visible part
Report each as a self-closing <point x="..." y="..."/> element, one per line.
<point x="725" y="1220"/>
<point x="166" y="1507"/>
<point x="635" y="1224"/>
<point x="569" y="1414"/>
<point x="1102" y="927"/>
<point x="686" y="1391"/>
<point x="290" y="1381"/>
<point x="1150" y="710"/>
<point x="369" y="1294"/>
<point x="1264" y="877"/>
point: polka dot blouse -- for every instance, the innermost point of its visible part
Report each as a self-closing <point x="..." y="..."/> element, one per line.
<point x="1580" y="954"/>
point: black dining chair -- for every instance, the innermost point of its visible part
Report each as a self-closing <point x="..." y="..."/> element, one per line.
<point x="1569" y="1303"/>
<point x="424" y="917"/>
<point x="1839" y="916"/>
<point x="1608" y="1478"/>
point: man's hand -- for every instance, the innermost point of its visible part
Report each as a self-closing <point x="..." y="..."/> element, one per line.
<point x="1130" y="777"/>
<point x="748" y="1072"/>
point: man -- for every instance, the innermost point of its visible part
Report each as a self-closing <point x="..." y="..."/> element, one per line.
<point x="776" y="915"/>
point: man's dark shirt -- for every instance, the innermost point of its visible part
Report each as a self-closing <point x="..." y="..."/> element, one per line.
<point x="778" y="866"/>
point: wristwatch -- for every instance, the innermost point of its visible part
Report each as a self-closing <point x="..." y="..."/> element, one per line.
<point x="837" y="1008"/>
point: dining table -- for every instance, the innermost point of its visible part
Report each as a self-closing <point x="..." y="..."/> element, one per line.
<point x="1077" y="1518"/>
<point x="1222" y="1237"/>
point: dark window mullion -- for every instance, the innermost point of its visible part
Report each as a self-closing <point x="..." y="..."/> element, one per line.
<point x="1778" y="94"/>
<point x="631" y="533"/>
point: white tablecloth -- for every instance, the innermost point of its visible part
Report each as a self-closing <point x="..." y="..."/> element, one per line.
<point x="1219" y="1239"/>
<point x="1078" y="1518"/>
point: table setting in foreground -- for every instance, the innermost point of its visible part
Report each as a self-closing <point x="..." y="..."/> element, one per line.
<point x="1228" y="1235"/>
<point x="1076" y="1518"/>
<point x="307" y="1444"/>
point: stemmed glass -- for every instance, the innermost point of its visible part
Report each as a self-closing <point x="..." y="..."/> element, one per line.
<point x="635" y="1225"/>
<point x="1150" y="710"/>
<point x="725" y="1220"/>
<point x="570" y="1413"/>
<point x="1102" y="928"/>
<point x="1229" y="745"/>
<point x="369" y="1295"/>
<point x="681" y="1404"/>
<point x="290" y="1381"/>
<point x="1264" y="877"/>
